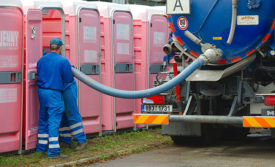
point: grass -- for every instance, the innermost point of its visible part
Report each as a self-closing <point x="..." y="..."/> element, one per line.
<point x="99" y="149"/>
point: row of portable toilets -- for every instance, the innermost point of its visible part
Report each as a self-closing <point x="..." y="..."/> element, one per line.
<point x="117" y="45"/>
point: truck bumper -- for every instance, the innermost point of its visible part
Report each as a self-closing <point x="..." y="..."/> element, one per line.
<point x="245" y="121"/>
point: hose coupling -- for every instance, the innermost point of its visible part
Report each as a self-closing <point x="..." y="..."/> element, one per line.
<point x="212" y="55"/>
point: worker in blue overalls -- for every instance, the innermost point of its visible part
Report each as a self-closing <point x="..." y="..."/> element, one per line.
<point x="71" y="124"/>
<point x="54" y="71"/>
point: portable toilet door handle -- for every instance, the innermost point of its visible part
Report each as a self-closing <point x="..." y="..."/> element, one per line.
<point x="32" y="75"/>
<point x="10" y="77"/>
<point x="90" y="69"/>
<point x="127" y="68"/>
<point x="124" y="68"/>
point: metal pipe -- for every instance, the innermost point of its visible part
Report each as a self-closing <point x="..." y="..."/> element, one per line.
<point x="233" y="22"/>
<point x="207" y="119"/>
<point x="192" y="37"/>
<point x="142" y="93"/>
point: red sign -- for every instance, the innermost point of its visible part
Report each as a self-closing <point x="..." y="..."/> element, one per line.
<point x="183" y="23"/>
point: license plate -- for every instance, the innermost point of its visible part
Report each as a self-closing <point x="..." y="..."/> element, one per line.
<point x="156" y="108"/>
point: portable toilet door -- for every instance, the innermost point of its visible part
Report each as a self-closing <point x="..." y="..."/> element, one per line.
<point x="124" y="76"/>
<point x="84" y="26"/>
<point x="117" y="64"/>
<point x="89" y="63"/>
<point x="11" y="72"/>
<point x="33" y="51"/>
<point x="158" y="37"/>
<point x="44" y="20"/>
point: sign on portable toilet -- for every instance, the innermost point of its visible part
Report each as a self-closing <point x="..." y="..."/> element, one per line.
<point x="83" y="27"/>
<point x="150" y="35"/>
<point x="43" y="20"/>
<point x="11" y="72"/>
<point x="117" y="64"/>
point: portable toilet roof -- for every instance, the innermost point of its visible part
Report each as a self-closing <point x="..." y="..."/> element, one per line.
<point x="139" y="12"/>
<point x="107" y="9"/>
<point x="72" y="7"/>
<point x="11" y="3"/>
<point x="160" y="8"/>
<point x="48" y="4"/>
<point x="40" y="4"/>
<point x="145" y="13"/>
<point x="157" y="10"/>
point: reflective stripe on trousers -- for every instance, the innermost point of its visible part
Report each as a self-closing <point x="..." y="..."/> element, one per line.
<point x="72" y="117"/>
<point x="50" y="115"/>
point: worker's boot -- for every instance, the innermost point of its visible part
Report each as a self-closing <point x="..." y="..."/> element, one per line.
<point x="81" y="146"/>
<point x="65" y="145"/>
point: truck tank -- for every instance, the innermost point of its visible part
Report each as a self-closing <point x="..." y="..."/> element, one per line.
<point x="252" y="23"/>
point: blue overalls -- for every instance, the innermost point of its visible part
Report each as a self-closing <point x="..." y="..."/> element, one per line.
<point x="53" y="71"/>
<point x="71" y="123"/>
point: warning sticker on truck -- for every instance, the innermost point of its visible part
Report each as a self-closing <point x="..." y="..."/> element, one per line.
<point x="217" y="38"/>
<point x="182" y="23"/>
<point x="248" y="20"/>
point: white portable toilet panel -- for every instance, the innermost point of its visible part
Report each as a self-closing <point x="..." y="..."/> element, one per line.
<point x="117" y="64"/>
<point x="11" y="57"/>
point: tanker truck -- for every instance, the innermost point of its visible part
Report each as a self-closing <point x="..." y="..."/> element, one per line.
<point x="226" y="96"/>
<point x="224" y="52"/>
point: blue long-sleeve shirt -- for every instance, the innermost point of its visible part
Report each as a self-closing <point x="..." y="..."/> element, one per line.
<point x="53" y="71"/>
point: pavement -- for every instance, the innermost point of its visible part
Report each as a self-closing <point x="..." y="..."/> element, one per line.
<point x="253" y="152"/>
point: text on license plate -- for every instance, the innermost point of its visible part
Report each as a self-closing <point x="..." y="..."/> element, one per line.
<point x="157" y="108"/>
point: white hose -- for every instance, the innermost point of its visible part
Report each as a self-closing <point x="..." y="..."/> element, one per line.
<point x="233" y="22"/>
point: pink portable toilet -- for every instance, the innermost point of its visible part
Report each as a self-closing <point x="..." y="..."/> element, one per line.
<point x="43" y="20"/>
<point x="83" y="29"/>
<point x="11" y="72"/>
<point x="117" y="64"/>
<point x="150" y="35"/>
